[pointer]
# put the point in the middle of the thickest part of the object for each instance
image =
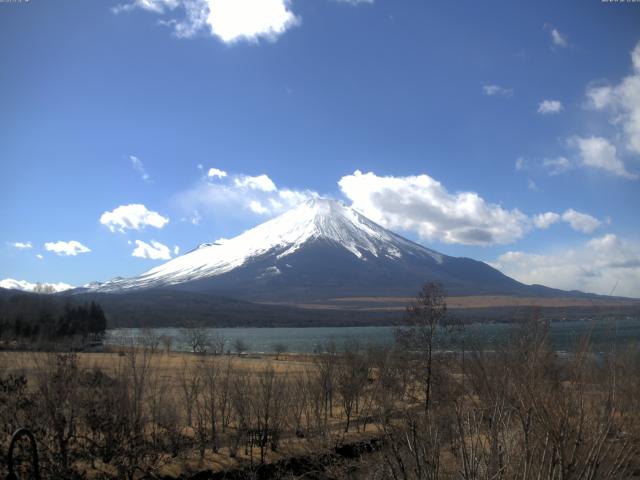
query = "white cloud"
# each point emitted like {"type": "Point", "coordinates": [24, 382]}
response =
{"type": "Point", "coordinates": [26, 286]}
{"type": "Point", "coordinates": [557, 38]}
{"type": "Point", "coordinates": [216, 173]}
{"type": "Point", "coordinates": [21, 245]}
{"type": "Point", "coordinates": [257, 207]}
{"type": "Point", "coordinates": [138, 166]}
{"type": "Point", "coordinates": [234, 20]}
{"type": "Point", "coordinates": [176, 250]}
{"type": "Point", "coordinates": [531, 185]}
{"type": "Point", "coordinates": [261, 182]}
{"type": "Point", "coordinates": [423, 205]}
{"type": "Point", "coordinates": [155, 6]}
{"type": "Point", "coordinates": [71, 248]}
{"type": "Point", "coordinates": [602, 265]}
{"type": "Point", "coordinates": [556, 166]}
{"type": "Point", "coordinates": [39, 257]}
{"type": "Point", "coordinates": [196, 218]}
{"type": "Point", "coordinates": [355, 2]}
{"type": "Point", "coordinates": [548, 107]}
{"type": "Point", "coordinates": [134, 216]}
{"type": "Point", "coordinates": [229, 20]}
{"type": "Point", "coordinates": [521, 164]}
{"type": "Point", "coordinates": [497, 90]}
{"type": "Point", "coordinates": [581, 222]}
{"type": "Point", "coordinates": [154, 251]}
{"type": "Point", "coordinates": [237, 194]}
{"type": "Point", "coordinates": [545, 220]}
{"type": "Point", "coordinates": [623, 103]}
{"type": "Point", "coordinates": [598, 152]}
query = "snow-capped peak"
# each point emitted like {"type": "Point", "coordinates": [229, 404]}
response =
{"type": "Point", "coordinates": [316, 219]}
{"type": "Point", "coordinates": [25, 286]}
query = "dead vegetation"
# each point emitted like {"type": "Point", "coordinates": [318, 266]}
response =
{"type": "Point", "coordinates": [521, 412]}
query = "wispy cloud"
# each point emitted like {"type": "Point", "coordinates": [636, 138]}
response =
{"type": "Point", "coordinates": [138, 166]}
{"type": "Point", "coordinates": [355, 2]}
{"type": "Point", "coordinates": [521, 164]}
{"type": "Point", "coordinates": [549, 107]}
{"type": "Point", "coordinates": [599, 153]}
{"type": "Point", "coordinates": [556, 166]}
{"type": "Point", "coordinates": [558, 39]}
{"type": "Point", "coordinates": [66, 249]}
{"type": "Point", "coordinates": [156, 6]}
{"type": "Point", "coordinates": [21, 245]}
{"type": "Point", "coordinates": [545, 220]}
{"type": "Point", "coordinates": [605, 265]}
{"type": "Point", "coordinates": [497, 90]}
{"type": "Point", "coordinates": [622, 101]}
{"type": "Point", "coordinates": [237, 194]}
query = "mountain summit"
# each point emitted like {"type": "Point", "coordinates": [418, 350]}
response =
{"type": "Point", "coordinates": [319, 249]}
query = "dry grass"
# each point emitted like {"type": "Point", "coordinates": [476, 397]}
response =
{"type": "Point", "coordinates": [477, 301]}
{"type": "Point", "coordinates": [168, 366]}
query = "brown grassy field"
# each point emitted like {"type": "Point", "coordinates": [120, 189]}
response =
{"type": "Point", "coordinates": [466, 302]}
{"type": "Point", "coordinates": [139, 413]}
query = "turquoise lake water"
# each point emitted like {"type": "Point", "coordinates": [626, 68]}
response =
{"type": "Point", "coordinates": [564, 336]}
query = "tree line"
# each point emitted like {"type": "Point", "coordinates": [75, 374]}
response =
{"type": "Point", "coordinates": [31, 318]}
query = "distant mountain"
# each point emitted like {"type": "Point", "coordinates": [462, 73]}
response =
{"type": "Point", "coordinates": [23, 285]}
{"type": "Point", "coordinates": [321, 249]}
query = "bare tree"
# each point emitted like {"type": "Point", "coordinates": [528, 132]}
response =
{"type": "Point", "coordinates": [210, 374]}
{"type": "Point", "coordinates": [167, 342]}
{"type": "Point", "coordinates": [59, 402]}
{"type": "Point", "coordinates": [217, 342]}
{"type": "Point", "coordinates": [268, 406]}
{"type": "Point", "coordinates": [190, 386]}
{"type": "Point", "coordinates": [326, 361]}
{"type": "Point", "coordinates": [197, 338]}
{"type": "Point", "coordinates": [351, 378]}
{"type": "Point", "coordinates": [425, 316]}
{"type": "Point", "coordinates": [223, 393]}
{"type": "Point", "coordinates": [240, 346]}
{"type": "Point", "coordinates": [240, 396]}
{"type": "Point", "coordinates": [279, 348]}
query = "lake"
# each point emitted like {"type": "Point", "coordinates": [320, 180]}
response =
{"type": "Point", "coordinates": [564, 336]}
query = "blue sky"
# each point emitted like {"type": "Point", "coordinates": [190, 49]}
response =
{"type": "Point", "coordinates": [504, 131]}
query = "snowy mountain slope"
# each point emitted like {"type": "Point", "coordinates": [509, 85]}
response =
{"type": "Point", "coordinates": [319, 249]}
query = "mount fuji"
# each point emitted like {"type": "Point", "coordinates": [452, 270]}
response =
{"type": "Point", "coordinates": [320, 249]}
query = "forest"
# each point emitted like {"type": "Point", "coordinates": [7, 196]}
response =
{"type": "Point", "coordinates": [46, 321]}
